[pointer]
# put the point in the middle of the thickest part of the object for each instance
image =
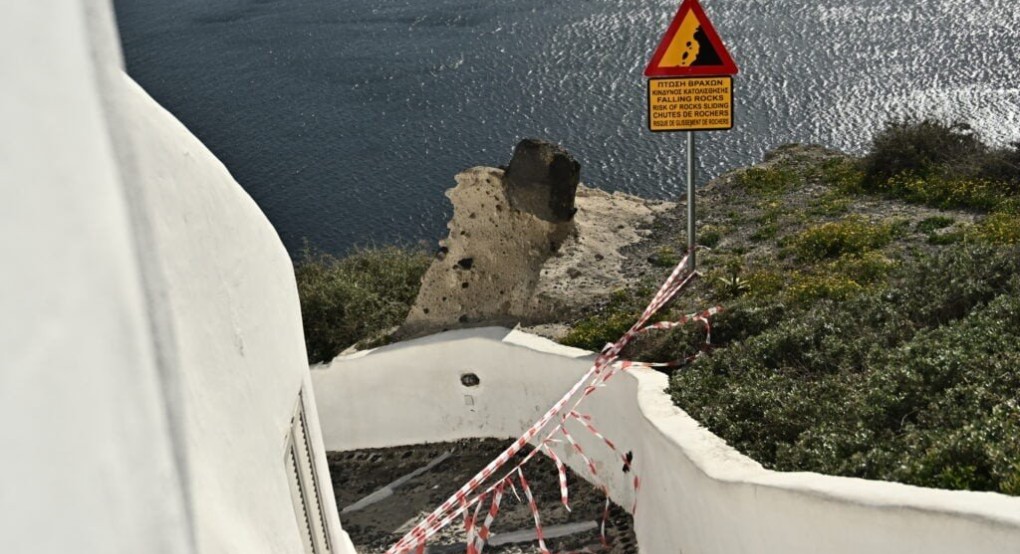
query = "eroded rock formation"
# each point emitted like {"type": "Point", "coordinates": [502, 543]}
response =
{"type": "Point", "coordinates": [527, 245]}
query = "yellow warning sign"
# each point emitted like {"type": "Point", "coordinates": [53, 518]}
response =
{"type": "Point", "coordinates": [690, 47]}
{"type": "Point", "coordinates": [690, 104]}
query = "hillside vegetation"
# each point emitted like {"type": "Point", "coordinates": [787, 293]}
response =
{"type": "Point", "coordinates": [355, 298]}
{"type": "Point", "coordinates": [873, 312]}
{"type": "Point", "coordinates": [872, 323]}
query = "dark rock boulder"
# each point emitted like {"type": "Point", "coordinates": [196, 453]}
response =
{"type": "Point", "coordinates": [542, 180]}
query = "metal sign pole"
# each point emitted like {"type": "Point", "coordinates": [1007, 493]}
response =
{"type": "Point", "coordinates": [690, 201]}
{"type": "Point", "coordinates": [687, 93]}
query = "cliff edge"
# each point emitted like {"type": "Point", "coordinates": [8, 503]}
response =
{"type": "Point", "coordinates": [530, 245]}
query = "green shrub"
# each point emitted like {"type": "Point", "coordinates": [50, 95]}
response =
{"type": "Point", "coordinates": [764, 283]}
{"type": "Point", "coordinates": [941, 165]}
{"type": "Point", "coordinates": [1009, 205]}
{"type": "Point", "coordinates": [850, 236]}
{"type": "Point", "coordinates": [943, 239]}
{"type": "Point", "coordinates": [1002, 165]}
{"type": "Point", "coordinates": [709, 236]}
{"type": "Point", "coordinates": [844, 174]}
{"type": "Point", "coordinates": [765, 232]}
{"type": "Point", "coordinates": [948, 192]}
{"type": "Point", "coordinates": [914, 382]}
{"type": "Point", "coordinates": [831, 204]}
{"type": "Point", "coordinates": [593, 333]}
{"type": "Point", "coordinates": [767, 181]}
{"type": "Point", "coordinates": [611, 322]}
{"type": "Point", "coordinates": [725, 280]}
{"type": "Point", "coordinates": [345, 300]}
{"type": "Point", "coordinates": [898, 226]}
{"type": "Point", "coordinates": [869, 267]}
{"type": "Point", "coordinates": [665, 256]}
{"type": "Point", "coordinates": [772, 211]}
{"type": "Point", "coordinates": [999, 228]}
{"type": "Point", "coordinates": [934, 223]}
{"type": "Point", "coordinates": [747, 318]}
{"type": "Point", "coordinates": [806, 288]}
{"type": "Point", "coordinates": [919, 148]}
{"type": "Point", "coordinates": [946, 286]}
{"type": "Point", "coordinates": [729, 286]}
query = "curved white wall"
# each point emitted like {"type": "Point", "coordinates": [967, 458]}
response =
{"type": "Point", "coordinates": [698, 495]}
{"type": "Point", "coordinates": [88, 460]}
{"type": "Point", "coordinates": [231, 300]}
{"type": "Point", "coordinates": [151, 348]}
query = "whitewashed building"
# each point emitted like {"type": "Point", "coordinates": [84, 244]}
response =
{"type": "Point", "coordinates": [154, 388]}
{"type": "Point", "coordinates": [153, 380]}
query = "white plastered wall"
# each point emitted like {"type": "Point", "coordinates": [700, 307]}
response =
{"type": "Point", "coordinates": [232, 303]}
{"type": "Point", "coordinates": [87, 460]}
{"type": "Point", "coordinates": [698, 495]}
{"type": "Point", "coordinates": [151, 351]}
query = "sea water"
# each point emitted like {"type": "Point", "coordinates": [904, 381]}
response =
{"type": "Point", "coordinates": [347, 119]}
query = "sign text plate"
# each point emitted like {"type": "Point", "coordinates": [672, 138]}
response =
{"type": "Point", "coordinates": [690, 104]}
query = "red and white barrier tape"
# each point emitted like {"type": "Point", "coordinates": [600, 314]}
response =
{"type": "Point", "coordinates": [698, 316]}
{"type": "Point", "coordinates": [605, 519]}
{"type": "Point", "coordinates": [483, 533]}
{"type": "Point", "coordinates": [586, 420]}
{"type": "Point", "coordinates": [469, 525]}
{"type": "Point", "coordinates": [580, 451]}
{"type": "Point", "coordinates": [561, 470]}
{"type": "Point", "coordinates": [605, 366]}
{"type": "Point", "coordinates": [534, 512]}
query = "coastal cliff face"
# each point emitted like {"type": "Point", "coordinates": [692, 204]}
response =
{"type": "Point", "coordinates": [849, 290]}
{"type": "Point", "coordinates": [529, 245]}
{"type": "Point", "coordinates": [511, 259]}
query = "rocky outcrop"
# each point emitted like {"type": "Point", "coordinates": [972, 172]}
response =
{"type": "Point", "coordinates": [527, 245]}
{"type": "Point", "coordinates": [542, 180]}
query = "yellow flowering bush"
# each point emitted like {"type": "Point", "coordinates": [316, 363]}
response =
{"type": "Point", "coordinates": [850, 236]}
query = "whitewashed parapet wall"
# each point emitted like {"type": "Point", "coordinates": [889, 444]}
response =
{"type": "Point", "coordinates": [698, 495]}
{"type": "Point", "coordinates": [151, 351]}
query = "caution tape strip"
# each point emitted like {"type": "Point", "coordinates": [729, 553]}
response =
{"type": "Point", "coordinates": [534, 512]}
{"type": "Point", "coordinates": [605, 367]}
{"type": "Point", "coordinates": [483, 533]}
{"type": "Point", "coordinates": [605, 519]}
{"type": "Point", "coordinates": [561, 469]}
{"type": "Point", "coordinates": [469, 526]}
{"type": "Point", "coordinates": [697, 316]}
{"type": "Point", "coordinates": [580, 451]}
{"type": "Point", "coordinates": [586, 420]}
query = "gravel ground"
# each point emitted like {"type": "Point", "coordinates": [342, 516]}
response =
{"type": "Point", "coordinates": [356, 474]}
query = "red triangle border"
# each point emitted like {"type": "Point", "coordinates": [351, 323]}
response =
{"type": "Point", "coordinates": [727, 67]}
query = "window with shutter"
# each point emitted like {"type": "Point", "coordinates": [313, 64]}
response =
{"type": "Point", "coordinates": [304, 485]}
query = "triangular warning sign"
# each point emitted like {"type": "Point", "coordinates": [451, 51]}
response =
{"type": "Point", "coordinates": [690, 47]}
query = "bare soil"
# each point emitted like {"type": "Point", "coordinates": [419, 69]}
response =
{"type": "Point", "coordinates": [356, 474]}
